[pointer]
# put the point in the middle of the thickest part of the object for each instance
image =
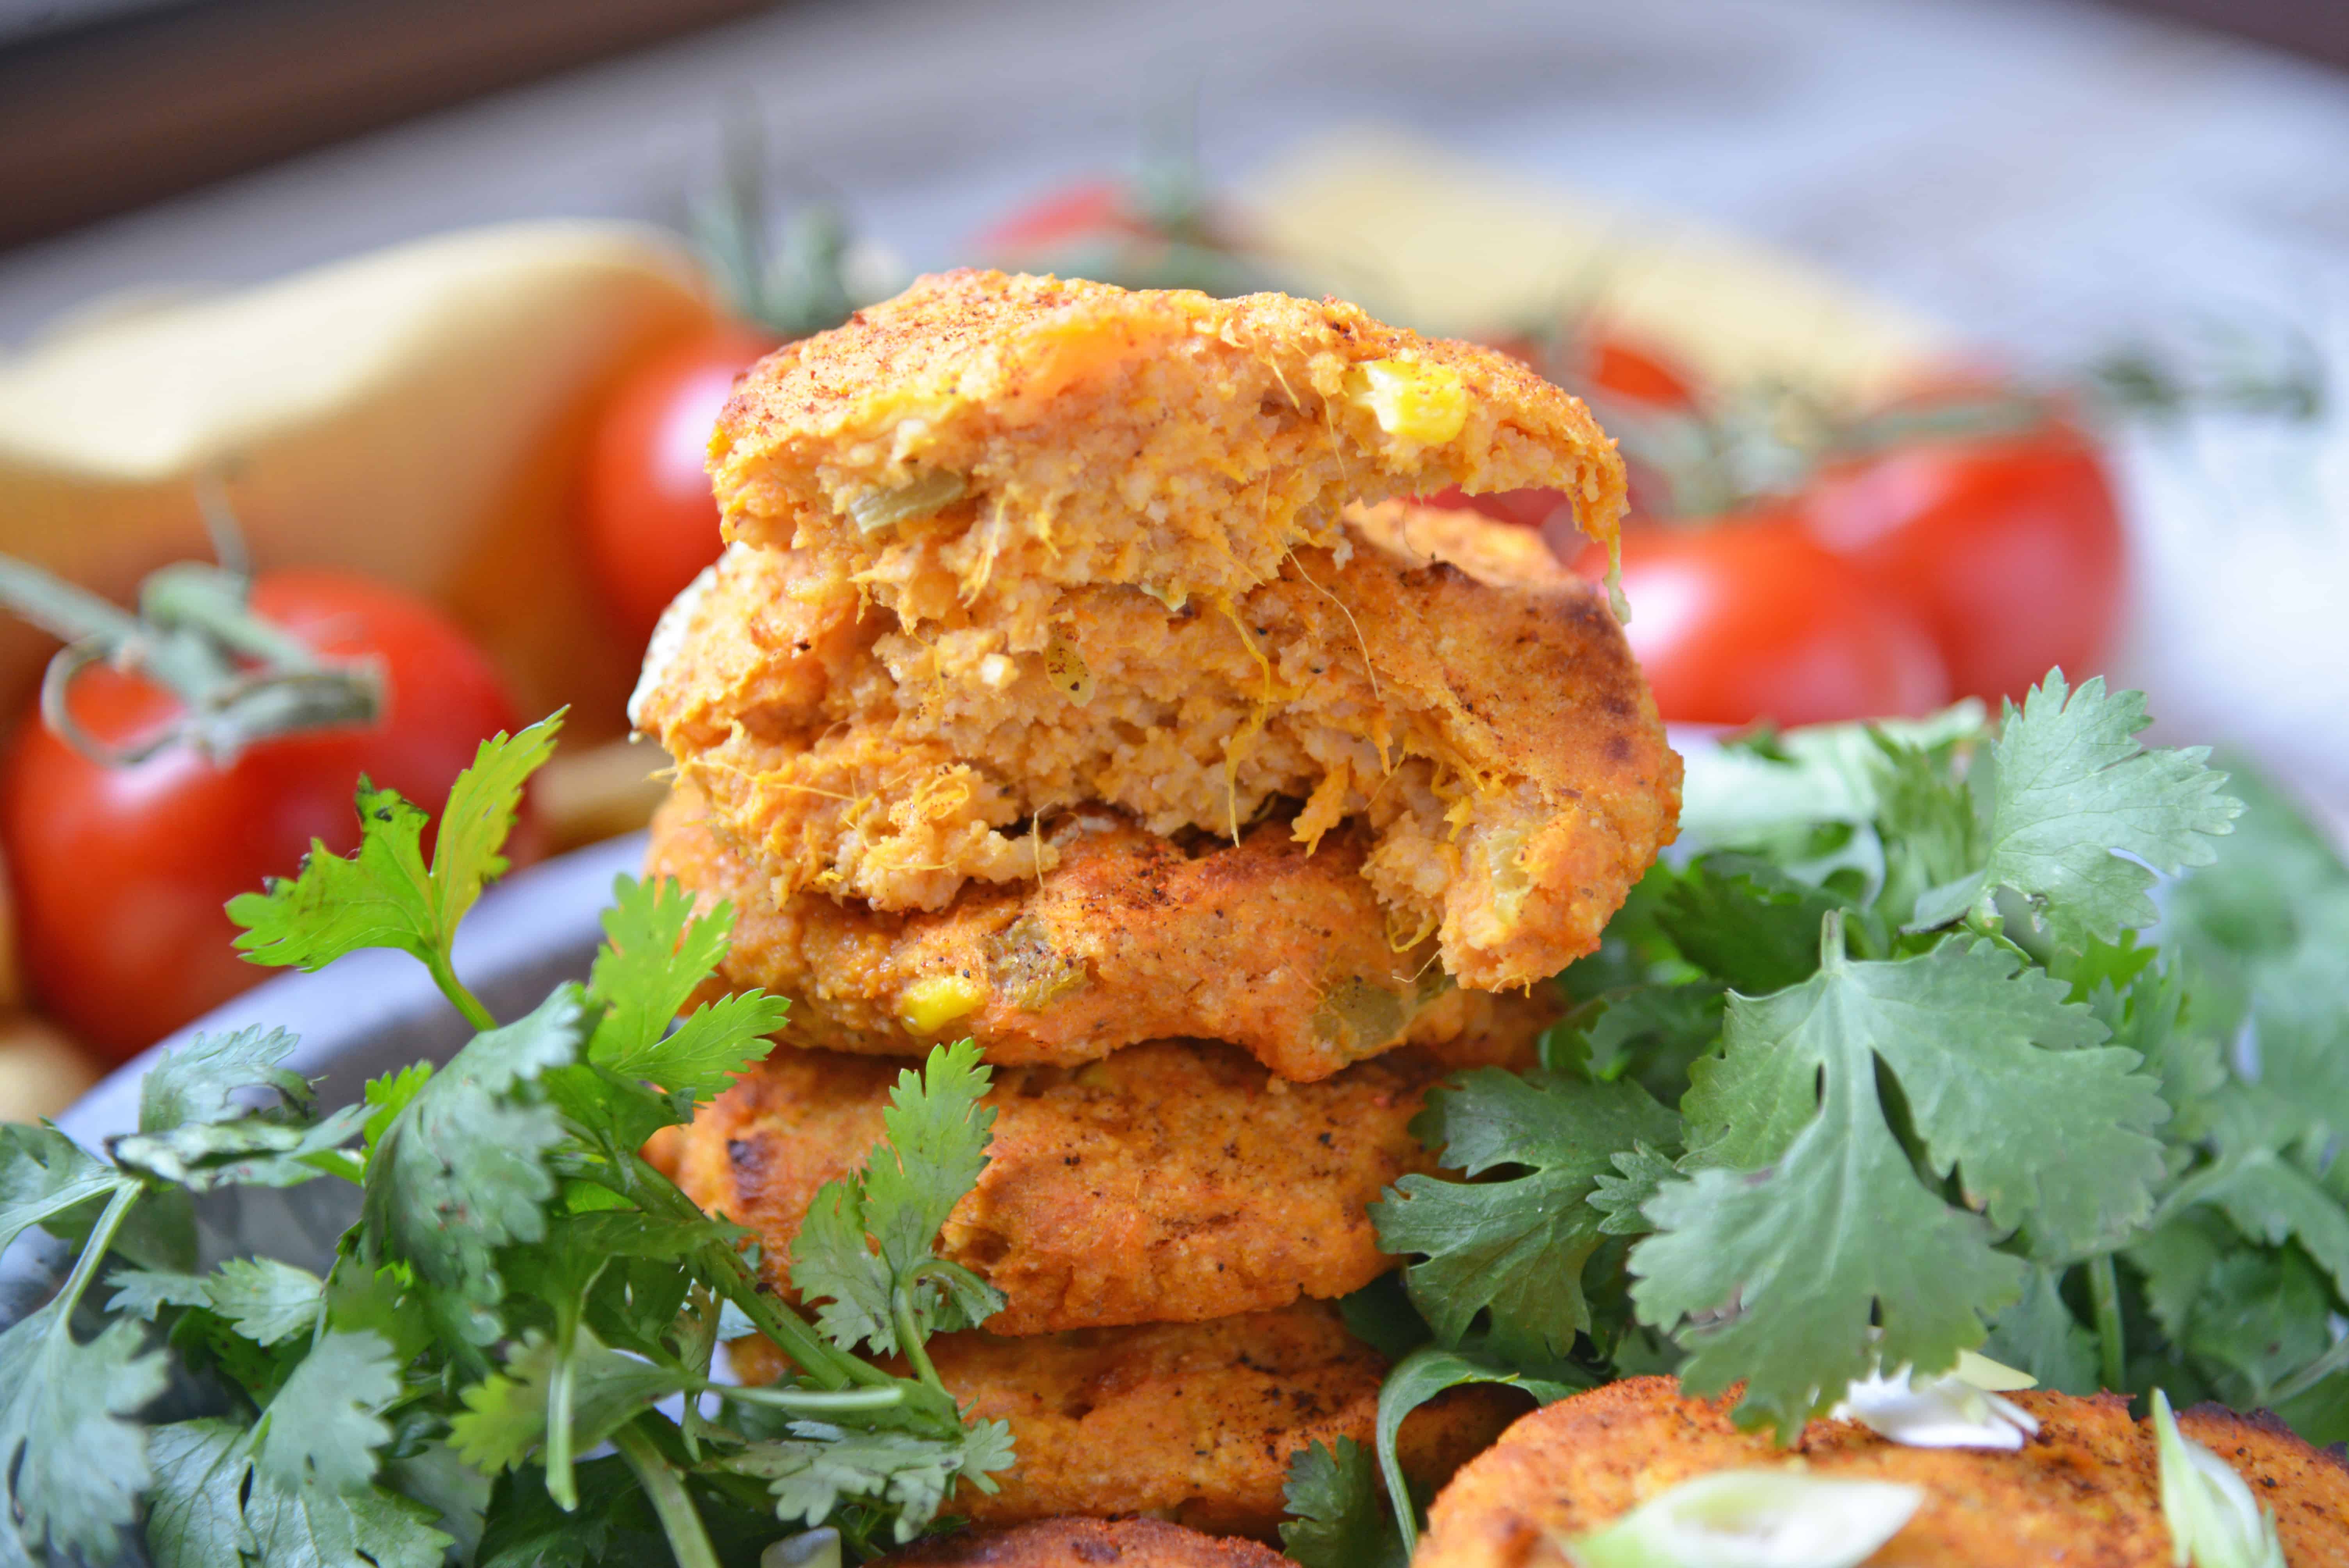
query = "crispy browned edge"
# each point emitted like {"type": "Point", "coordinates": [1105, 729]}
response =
{"type": "Point", "coordinates": [2085, 1488]}
{"type": "Point", "coordinates": [1077, 1543]}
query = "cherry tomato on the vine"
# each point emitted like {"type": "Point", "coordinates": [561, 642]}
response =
{"type": "Point", "coordinates": [2009, 548]}
{"type": "Point", "coordinates": [651, 523]}
{"type": "Point", "coordinates": [1748, 618]}
{"type": "Point", "coordinates": [120, 873]}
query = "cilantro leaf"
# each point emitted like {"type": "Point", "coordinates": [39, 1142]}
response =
{"type": "Point", "coordinates": [2263, 897]}
{"type": "Point", "coordinates": [482, 804]}
{"type": "Point", "coordinates": [316, 1527]}
{"type": "Point", "coordinates": [937, 1135]}
{"type": "Point", "coordinates": [388, 1096]}
{"type": "Point", "coordinates": [257, 1151]}
{"type": "Point", "coordinates": [2078, 812]}
{"type": "Point", "coordinates": [1645, 1033]}
{"type": "Point", "coordinates": [210, 1509]}
{"type": "Point", "coordinates": [505, 1416]}
{"type": "Point", "coordinates": [195, 1516]}
{"type": "Point", "coordinates": [383, 895]}
{"type": "Point", "coordinates": [1826, 773]}
{"type": "Point", "coordinates": [2038, 1334]}
{"type": "Point", "coordinates": [1746, 922]}
{"type": "Point", "coordinates": [819, 1467]}
{"type": "Point", "coordinates": [44, 1175]}
{"type": "Point", "coordinates": [1806, 1220]}
{"type": "Point", "coordinates": [378, 897]}
{"type": "Point", "coordinates": [266, 1301]}
{"type": "Point", "coordinates": [832, 1265]}
{"type": "Point", "coordinates": [460, 1170]}
{"type": "Point", "coordinates": [527, 1529]}
{"type": "Point", "coordinates": [2260, 1317]}
{"type": "Point", "coordinates": [200, 1080]}
{"type": "Point", "coordinates": [655, 953]}
{"type": "Point", "coordinates": [1432, 1370]}
{"type": "Point", "coordinates": [323, 1429]}
{"type": "Point", "coordinates": [1779, 1274]}
{"type": "Point", "coordinates": [72, 1462]}
{"type": "Point", "coordinates": [458, 1495]}
{"type": "Point", "coordinates": [143, 1293]}
{"type": "Point", "coordinates": [1381, 1316]}
{"type": "Point", "coordinates": [1340, 1520]}
{"type": "Point", "coordinates": [2272, 1202]}
{"type": "Point", "coordinates": [1515, 1248]}
{"type": "Point", "coordinates": [1642, 1169]}
{"type": "Point", "coordinates": [934, 1151]}
{"type": "Point", "coordinates": [713, 1042]}
{"type": "Point", "coordinates": [2007, 1083]}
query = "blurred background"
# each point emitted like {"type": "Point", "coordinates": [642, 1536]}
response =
{"type": "Point", "coordinates": [1948, 340]}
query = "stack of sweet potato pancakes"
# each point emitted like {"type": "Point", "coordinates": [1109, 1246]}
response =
{"type": "Point", "coordinates": [1068, 686]}
{"type": "Point", "coordinates": [1080, 680]}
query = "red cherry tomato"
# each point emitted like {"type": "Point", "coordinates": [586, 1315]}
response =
{"type": "Point", "coordinates": [1084, 210]}
{"type": "Point", "coordinates": [651, 523]}
{"type": "Point", "coordinates": [1628, 371]}
{"type": "Point", "coordinates": [2010, 548]}
{"type": "Point", "coordinates": [120, 873]}
{"type": "Point", "coordinates": [1749, 618]}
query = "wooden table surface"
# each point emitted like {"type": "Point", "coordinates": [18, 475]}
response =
{"type": "Point", "coordinates": [2046, 177]}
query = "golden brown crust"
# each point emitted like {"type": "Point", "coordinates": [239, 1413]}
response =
{"type": "Point", "coordinates": [1173, 1182]}
{"type": "Point", "coordinates": [1085, 1543]}
{"type": "Point", "coordinates": [1486, 722]}
{"type": "Point", "coordinates": [1128, 938]}
{"type": "Point", "coordinates": [1157, 438]}
{"type": "Point", "coordinates": [1194, 1422]}
{"type": "Point", "coordinates": [2085, 1492]}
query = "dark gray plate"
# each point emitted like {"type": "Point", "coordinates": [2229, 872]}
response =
{"type": "Point", "coordinates": [358, 1018]}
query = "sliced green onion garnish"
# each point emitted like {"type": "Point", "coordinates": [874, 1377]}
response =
{"type": "Point", "coordinates": [2214, 1519]}
{"type": "Point", "coordinates": [1752, 1519]}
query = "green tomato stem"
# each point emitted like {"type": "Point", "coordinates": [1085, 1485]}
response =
{"type": "Point", "coordinates": [688, 1539]}
{"type": "Point", "coordinates": [2104, 1293]}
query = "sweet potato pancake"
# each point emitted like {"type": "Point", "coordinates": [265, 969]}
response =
{"type": "Point", "coordinates": [1492, 732]}
{"type": "Point", "coordinates": [1085, 1543]}
{"type": "Point", "coordinates": [969, 448]}
{"type": "Point", "coordinates": [1174, 1181]}
{"type": "Point", "coordinates": [2086, 1492]}
{"type": "Point", "coordinates": [1128, 938]}
{"type": "Point", "coordinates": [1190, 1421]}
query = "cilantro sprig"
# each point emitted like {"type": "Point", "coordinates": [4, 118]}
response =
{"type": "Point", "coordinates": [1937, 1034]}
{"type": "Point", "coordinates": [522, 1285]}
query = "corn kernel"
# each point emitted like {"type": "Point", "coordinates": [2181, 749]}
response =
{"type": "Point", "coordinates": [930, 1006]}
{"type": "Point", "coordinates": [1423, 403]}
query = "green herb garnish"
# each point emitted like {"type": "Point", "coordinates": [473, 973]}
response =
{"type": "Point", "coordinates": [522, 1287]}
{"type": "Point", "coordinates": [1913, 1051]}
